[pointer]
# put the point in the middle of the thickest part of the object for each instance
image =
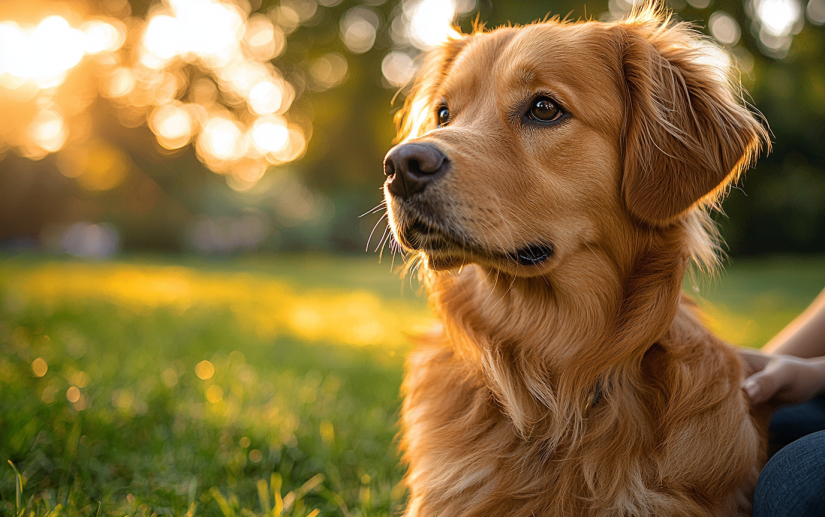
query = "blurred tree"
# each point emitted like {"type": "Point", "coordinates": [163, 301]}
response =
{"type": "Point", "coordinates": [167, 198]}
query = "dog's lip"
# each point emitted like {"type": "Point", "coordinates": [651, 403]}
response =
{"type": "Point", "coordinates": [428, 237]}
{"type": "Point", "coordinates": [443, 244]}
{"type": "Point", "coordinates": [533, 255]}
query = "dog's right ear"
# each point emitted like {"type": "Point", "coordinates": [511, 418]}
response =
{"type": "Point", "coordinates": [418, 114]}
{"type": "Point", "coordinates": [687, 135]}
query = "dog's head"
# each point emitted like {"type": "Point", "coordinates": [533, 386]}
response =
{"type": "Point", "coordinates": [521, 146]}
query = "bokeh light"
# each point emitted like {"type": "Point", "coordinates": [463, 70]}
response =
{"type": "Point", "coordinates": [398, 68]}
{"type": "Point", "coordinates": [419, 26]}
{"type": "Point", "coordinates": [40, 367]}
{"type": "Point", "coordinates": [724, 28]}
{"type": "Point", "coordinates": [172, 124]}
{"type": "Point", "coordinates": [48, 131]}
{"type": "Point", "coordinates": [358, 29]}
{"type": "Point", "coordinates": [328, 71]}
{"type": "Point", "coordinates": [777, 21]}
{"type": "Point", "coordinates": [99, 36]}
{"type": "Point", "coordinates": [816, 12]}
{"type": "Point", "coordinates": [430, 22]}
{"type": "Point", "coordinates": [270, 135]}
{"type": "Point", "coordinates": [204, 370]}
{"type": "Point", "coordinates": [73, 394]}
{"type": "Point", "coordinates": [265, 98]}
{"type": "Point", "coordinates": [778, 17]}
{"type": "Point", "coordinates": [220, 141]}
{"type": "Point", "coordinates": [194, 71]}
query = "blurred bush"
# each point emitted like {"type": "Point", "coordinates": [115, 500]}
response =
{"type": "Point", "coordinates": [263, 124]}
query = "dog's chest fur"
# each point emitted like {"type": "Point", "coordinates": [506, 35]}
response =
{"type": "Point", "coordinates": [644, 450]}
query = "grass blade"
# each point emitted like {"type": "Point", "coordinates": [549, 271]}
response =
{"type": "Point", "coordinates": [275, 483]}
{"type": "Point", "coordinates": [221, 500]}
{"type": "Point", "coordinates": [263, 496]}
{"type": "Point", "coordinates": [313, 482]}
{"type": "Point", "coordinates": [18, 490]}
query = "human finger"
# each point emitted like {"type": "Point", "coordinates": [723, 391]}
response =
{"type": "Point", "coordinates": [763, 385]}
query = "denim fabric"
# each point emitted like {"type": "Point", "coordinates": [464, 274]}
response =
{"type": "Point", "coordinates": [792, 484]}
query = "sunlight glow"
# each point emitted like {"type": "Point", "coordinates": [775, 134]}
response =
{"type": "Point", "coordinates": [221, 140]}
{"type": "Point", "coordinates": [195, 28]}
{"type": "Point", "coordinates": [778, 17]}
{"type": "Point", "coordinates": [100, 37]}
{"type": "Point", "coordinates": [45, 53]}
{"type": "Point", "coordinates": [777, 22]}
{"type": "Point", "coordinates": [48, 131]}
{"type": "Point", "coordinates": [270, 135]}
{"type": "Point", "coordinates": [419, 26]}
{"type": "Point", "coordinates": [430, 22]}
{"type": "Point", "coordinates": [172, 124]}
{"type": "Point", "coordinates": [265, 98]}
{"type": "Point", "coordinates": [193, 71]}
{"type": "Point", "coordinates": [264, 306]}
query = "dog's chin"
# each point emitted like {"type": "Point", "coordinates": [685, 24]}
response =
{"type": "Point", "coordinates": [445, 251]}
{"type": "Point", "coordinates": [441, 251]}
{"type": "Point", "coordinates": [444, 262]}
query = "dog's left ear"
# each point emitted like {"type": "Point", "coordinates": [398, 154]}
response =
{"type": "Point", "coordinates": [686, 134]}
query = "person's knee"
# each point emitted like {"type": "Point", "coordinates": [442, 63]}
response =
{"type": "Point", "coordinates": [792, 484]}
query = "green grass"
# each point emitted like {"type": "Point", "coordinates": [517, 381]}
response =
{"type": "Point", "coordinates": [300, 410]}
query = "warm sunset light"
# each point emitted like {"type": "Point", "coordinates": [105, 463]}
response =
{"type": "Point", "coordinates": [48, 131]}
{"type": "Point", "coordinates": [195, 71]}
{"type": "Point", "coordinates": [270, 135]}
{"type": "Point", "coordinates": [430, 22]}
{"type": "Point", "coordinates": [172, 124]}
{"type": "Point", "coordinates": [45, 53]}
{"type": "Point", "coordinates": [231, 285]}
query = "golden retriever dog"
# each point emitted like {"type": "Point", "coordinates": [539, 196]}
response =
{"type": "Point", "coordinates": [555, 180]}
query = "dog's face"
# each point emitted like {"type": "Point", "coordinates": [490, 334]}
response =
{"type": "Point", "coordinates": [527, 123]}
{"type": "Point", "coordinates": [527, 145]}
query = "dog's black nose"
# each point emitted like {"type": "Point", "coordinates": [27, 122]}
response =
{"type": "Point", "coordinates": [411, 167]}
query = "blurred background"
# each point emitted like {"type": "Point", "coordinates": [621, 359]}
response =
{"type": "Point", "coordinates": [227, 127]}
{"type": "Point", "coordinates": [188, 321]}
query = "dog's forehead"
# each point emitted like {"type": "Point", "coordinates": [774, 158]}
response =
{"type": "Point", "coordinates": [578, 63]}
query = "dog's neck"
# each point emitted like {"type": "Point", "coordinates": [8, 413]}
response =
{"type": "Point", "coordinates": [545, 344]}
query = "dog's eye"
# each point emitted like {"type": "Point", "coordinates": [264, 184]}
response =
{"type": "Point", "coordinates": [443, 115]}
{"type": "Point", "coordinates": [544, 109]}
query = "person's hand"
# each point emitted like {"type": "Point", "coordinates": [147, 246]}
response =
{"type": "Point", "coordinates": [782, 378]}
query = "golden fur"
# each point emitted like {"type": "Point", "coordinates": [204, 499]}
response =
{"type": "Point", "coordinates": [584, 385]}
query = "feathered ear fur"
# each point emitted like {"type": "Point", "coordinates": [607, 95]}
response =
{"type": "Point", "coordinates": [418, 114]}
{"type": "Point", "coordinates": [687, 135]}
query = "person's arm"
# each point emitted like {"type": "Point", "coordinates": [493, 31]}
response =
{"type": "Point", "coordinates": [804, 336]}
{"type": "Point", "coordinates": [793, 369]}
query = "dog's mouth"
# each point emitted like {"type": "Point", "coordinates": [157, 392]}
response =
{"type": "Point", "coordinates": [533, 255]}
{"type": "Point", "coordinates": [446, 249]}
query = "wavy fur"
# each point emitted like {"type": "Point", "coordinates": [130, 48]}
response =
{"type": "Point", "coordinates": [586, 386]}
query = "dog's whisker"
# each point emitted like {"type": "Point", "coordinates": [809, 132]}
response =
{"type": "Point", "coordinates": [383, 247]}
{"type": "Point", "coordinates": [373, 231]}
{"type": "Point", "coordinates": [382, 205]}
{"type": "Point", "coordinates": [383, 238]}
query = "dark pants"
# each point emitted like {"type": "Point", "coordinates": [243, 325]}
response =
{"type": "Point", "coordinates": [792, 484]}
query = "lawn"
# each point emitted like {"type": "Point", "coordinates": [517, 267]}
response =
{"type": "Point", "coordinates": [260, 386]}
